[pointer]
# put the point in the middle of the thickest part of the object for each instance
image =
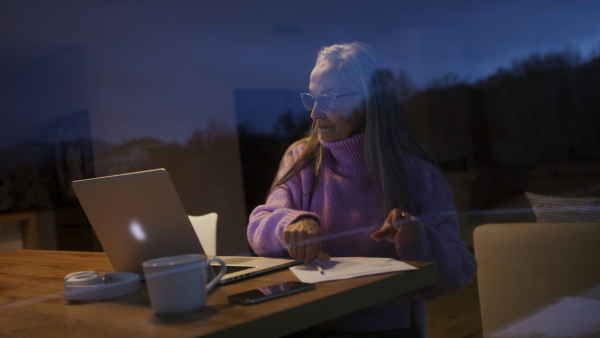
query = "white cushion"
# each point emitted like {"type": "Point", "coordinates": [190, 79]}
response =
{"type": "Point", "coordinates": [553, 209]}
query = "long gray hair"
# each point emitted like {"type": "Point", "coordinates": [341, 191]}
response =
{"type": "Point", "coordinates": [387, 134]}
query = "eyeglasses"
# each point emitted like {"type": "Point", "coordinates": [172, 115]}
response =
{"type": "Point", "coordinates": [326, 102]}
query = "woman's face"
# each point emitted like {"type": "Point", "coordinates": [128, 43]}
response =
{"type": "Point", "coordinates": [347, 118]}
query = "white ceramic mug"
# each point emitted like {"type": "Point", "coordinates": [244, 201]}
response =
{"type": "Point", "coordinates": [177, 284]}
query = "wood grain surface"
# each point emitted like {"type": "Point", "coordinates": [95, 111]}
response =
{"type": "Point", "coordinates": [32, 302]}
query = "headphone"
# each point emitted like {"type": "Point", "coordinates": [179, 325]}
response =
{"type": "Point", "coordinates": [89, 285]}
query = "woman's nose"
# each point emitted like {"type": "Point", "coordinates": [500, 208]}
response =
{"type": "Point", "coordinates": [316, 112]}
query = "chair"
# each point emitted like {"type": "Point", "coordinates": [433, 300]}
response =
{"type": "Point", "coordinates": [525, 267]}
{"type": "Point", "coordinates": [419, 318]}
{"type": "Point", "coordinates": [206, 230]}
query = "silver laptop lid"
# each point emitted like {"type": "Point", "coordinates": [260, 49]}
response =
{"type": "Point", "coordinates": [137, 216]}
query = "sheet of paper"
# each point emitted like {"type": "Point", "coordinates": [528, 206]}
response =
{"type": "Point", "coordinates": [347, 267]}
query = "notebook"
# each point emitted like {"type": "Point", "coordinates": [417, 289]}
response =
{"type": "Point", "coordinates": [139, 216]}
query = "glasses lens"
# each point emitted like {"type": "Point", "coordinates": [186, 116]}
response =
{"type": "Point", "coordinates": [308, 101]}
{"type": "Point", "coordinates": [326, 103]}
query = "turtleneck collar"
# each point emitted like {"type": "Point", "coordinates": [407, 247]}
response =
{"type": "Point", "coordinates": [348, 154]}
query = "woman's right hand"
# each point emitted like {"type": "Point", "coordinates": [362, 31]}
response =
{"type": "Point", "coordinates": [303, 240]}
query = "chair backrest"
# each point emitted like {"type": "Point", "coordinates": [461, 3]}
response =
{"type": "Point", "coordinates": [206, 230]}
{"type": "Point", "coordinates": [524, 267]}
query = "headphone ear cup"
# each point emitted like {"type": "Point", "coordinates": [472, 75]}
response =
{"type": "Point", "coordinates": [89, 285]}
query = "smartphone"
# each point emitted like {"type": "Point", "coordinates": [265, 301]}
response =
{"type": "Point", "coordinates": [270, 292]}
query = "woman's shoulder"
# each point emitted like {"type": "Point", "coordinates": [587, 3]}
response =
{"type": "Point", "coordinates": [417, 162]}
{"type": "Point", "coordinates": [421, 169]}
{"type": "Point", "coordinates": [427, 182]}
{"type": "Point", "coordinates": [429, 186]}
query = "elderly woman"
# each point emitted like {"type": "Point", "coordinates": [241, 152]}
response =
{"type": "Point", "coordinates": [359, 185]}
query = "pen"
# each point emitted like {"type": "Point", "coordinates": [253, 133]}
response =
{"type": "Point", "coordinates": [320, 269]}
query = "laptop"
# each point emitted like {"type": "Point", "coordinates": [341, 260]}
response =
{"type": "Point", "coordinates": [139, 216]}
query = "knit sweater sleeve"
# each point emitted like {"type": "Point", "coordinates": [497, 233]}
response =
{"type": "Point", "coordinates": [439, 241]}
{"type": "Point", "coordinates": [285, 204]}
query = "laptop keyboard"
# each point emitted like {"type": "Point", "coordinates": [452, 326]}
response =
{"type": "Point", "coordinates": [230, 268]}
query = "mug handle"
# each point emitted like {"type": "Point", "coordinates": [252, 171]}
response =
{"type": "Point", "coordinates": [215, 280]}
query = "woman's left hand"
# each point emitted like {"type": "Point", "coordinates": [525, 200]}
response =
{"type": "Point", "coordinates": [399, 226]}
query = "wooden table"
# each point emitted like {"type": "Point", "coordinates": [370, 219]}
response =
{"type": "Point", "coordinates": [32, 302]}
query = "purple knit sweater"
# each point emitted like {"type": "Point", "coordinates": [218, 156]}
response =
{"type": "Point", "coordinates": [348, 207]}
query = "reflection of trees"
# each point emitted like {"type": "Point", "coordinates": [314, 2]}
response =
{"type": "Point", "coordinates": [261, 153]}
{"type": "Point", "coordinates": [543, 110]}
{"type": "Point", "coordinates": [447, 80]}
{"type": "Point", "coordinates": [207, 159]}
{"type": "Point", "coordinates": [290, 126]}
{"type": "Point", "coordinates": [203, 169]}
